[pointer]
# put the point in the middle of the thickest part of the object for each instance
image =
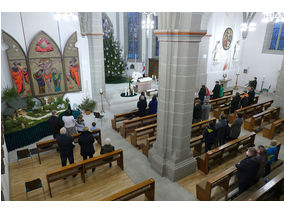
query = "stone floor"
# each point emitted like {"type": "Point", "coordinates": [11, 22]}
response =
{"type": "Point", "coordinates": [136, 164]}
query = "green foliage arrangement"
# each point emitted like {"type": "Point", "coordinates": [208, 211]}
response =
{"type": "Point", "coordinates": [9, 93]}
{"type": "Point", "coordinates": [87, 105]}
{"type": "Point", "coordinates": [30, 102]}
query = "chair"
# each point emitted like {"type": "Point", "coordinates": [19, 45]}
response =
{"type": "Point", "coordinates": [32, 185]}
{"type": "Point", "coordinates": [24, 153]}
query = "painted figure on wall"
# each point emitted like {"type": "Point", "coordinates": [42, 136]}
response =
{"type": "Point", "coordinates": [19, 75]}
{"type": "Point", "coordinates": [38, 76]}
{"type": "Point", "coordinates": [56, 76]}
{"type": "Point", "coordinates": [74, 71]}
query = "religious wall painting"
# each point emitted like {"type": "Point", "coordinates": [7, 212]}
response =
{"type": "Point", "coordinates": [17, 66]}
{"type": "Point", "coordinates": [227, 38]}
{"type": "Point", "coordinates": [46, 66]}
{"type": "Point", "coordinates": [72, 65]}
{"type": "Point", "coordinates": [236, 55]}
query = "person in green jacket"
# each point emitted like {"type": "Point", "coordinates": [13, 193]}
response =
{"type": "Point", "coordinates": [222, 91]}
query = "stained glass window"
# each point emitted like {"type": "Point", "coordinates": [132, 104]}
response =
{"type": "Point", "coordinates": [281, 39]}
{"type": "Point", "coordinates": [157, 41]}
{"type": "Point", "coordinates": [274, 36]}
{"type": "Point", "coordinates": [133, 38]}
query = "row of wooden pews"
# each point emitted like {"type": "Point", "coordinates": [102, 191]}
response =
{"type": "Point", "coordinates": [251, 110]}
{"type": "Point", "coordinates": [48, 145]}
{"type": "Point", "coordinates": [258, 121]}
{"type": "Point", "coordinates": [271, 130]}
{"type": "Point", "coordinates": [224, 185]}
{"type": "Point", "coordinates": [226, 93]}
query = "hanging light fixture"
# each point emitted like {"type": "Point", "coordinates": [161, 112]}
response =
{"type": "Point", "coordinates": [65, 16]}
{"type": "Point", "coordinates": [273, 17]}
{"type": "Point", "coordinates": [248, 27]}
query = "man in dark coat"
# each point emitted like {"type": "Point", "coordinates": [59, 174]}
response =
{"type": "Point", "coordinates": [236, 102]}
{"type": "Point", "coordinates": [251, 95]}
{"type": "Point", "coordinates": [254, 83]}
{"type": "Point", "coordinates": [202, 94]}
{"type": "Point", "coordinates": [236, 127]}
{"type": "Point", "coordinates": [65, 145]}
{"type": "Point", "coordinates": [55, 124]}
{"type": "Point", "coordinates": [222, 130]}
{"type": "Point", "coordinates": [247, 170]}
{"type": "Point", "coordinates": [209, 136]}
{"type": "Point", "coordinates": [197, 112]}
{"type": "Point", "coordinates": [142, 105]}
{"type": "Point", "coordinates": [216, 90]}
{"type": "Point", "coordinates": [86, 142]}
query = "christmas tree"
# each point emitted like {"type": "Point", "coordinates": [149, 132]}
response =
{"type": "Point", "coordinates": [114, 63]}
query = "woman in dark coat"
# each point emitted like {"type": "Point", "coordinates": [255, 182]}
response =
{"type": "Point", "coordinates": [141, 105]}
{"type": "Point", "coordinates": [235, 103]}
{"type": "Point", "coordinates": [153, 104]}
{"type": "Point", "coordinates": [86, 142]}
{"type": "Point", "coordinates": [202, 93]}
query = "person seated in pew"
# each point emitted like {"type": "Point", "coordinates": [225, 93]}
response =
{"type": "Point", "coordinates": [209, 136]}
{"type": "Point", "coordinates": [142, 105]}
{"type": "Point", "coordinates": [66, 146]}
{"type": "Point", "coordinates": [143, 94]}
{"type": "Point", "coordinates": [94, 126]}
{"type": "Point", "coordinates": [153, 104]}
{"type": "Point", "coordinates": [251, 95]}
{"type": "Point", "coordinates": [216, 90]}
{"type": "Point", "coordinates": [202, 94]}
{"type": "Point", "coordinates": [221, 91]}
{"type": "Point", "coordinates": [235, 103]}
{"type": "Point", "coordinates": [80, 123]}
{"type": "Point", "coordinates": [205, 108]}
{"type": "Point", "coordinates": [271, 152]}
{"type": "Point", "coordinates": [247, 170]}
{"type": "Point", "coordinates": [197, 112]}
{"type": "Point", "coordinates": [244, 99]}
{"type": "Point", "coordinates": [262, 161]}
{"type": "Point", "coordinates": [236, 127]}
{"type": "Point", "coordinates": [222, 130]}
{"type": "Point", "coordinates": [86, 142]}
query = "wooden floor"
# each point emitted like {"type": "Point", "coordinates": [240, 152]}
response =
{"type": "Point", "coordinates": [102, 183]}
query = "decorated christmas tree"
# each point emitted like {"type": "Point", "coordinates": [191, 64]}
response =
{"type": "Point", "coordinates": [114, 63]}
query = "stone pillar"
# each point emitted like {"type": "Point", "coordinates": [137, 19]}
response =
{"type": "Point", "coordinates": [91, 26]}
{"type": "Point", "coordinates": [279, 95]}
{"type": "Point", "coordinates": [179, 36]}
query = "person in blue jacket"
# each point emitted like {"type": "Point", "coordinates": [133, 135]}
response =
{"type": "Point", "coordinates": [209, 136]}
{"type": "Point", "coordinates": [271, 154]}
{"type": "Point", "coordinates": [153, 104]}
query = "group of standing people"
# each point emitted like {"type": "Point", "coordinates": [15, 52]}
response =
{"type": "Point", "coordinates": [257, 164]}
{"type": "Point", "coordinates": [245, 100]}
{"type": "Point", "coordinates": [142, 105]}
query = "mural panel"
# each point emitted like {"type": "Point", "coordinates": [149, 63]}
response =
{"type": "Point", "coordinates": [17, 65]}
{"type": "Point", "coordinates": [72, 65]}
{"type": "Point", "coordinates": [47, 74]}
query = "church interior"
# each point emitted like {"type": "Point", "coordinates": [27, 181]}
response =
{"type": "Point", "coordinates": [103, 66]}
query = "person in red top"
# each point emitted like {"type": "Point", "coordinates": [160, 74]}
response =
{"type": "Point", "coordinates": [74, 71]}
{"type": "Point", "coordinates": [19, 76]}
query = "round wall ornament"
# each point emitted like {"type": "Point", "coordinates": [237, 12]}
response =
{"type": "Point", "coordinates": [227, 38]}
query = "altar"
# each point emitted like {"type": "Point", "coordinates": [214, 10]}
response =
{"type": "Point", "coordinates": [143, 84]}
{"type": "Point", "coordinates": [225, 82]}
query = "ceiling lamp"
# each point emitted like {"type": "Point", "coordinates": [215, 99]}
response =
{"type": "Point", "coordinates": [65, 16]}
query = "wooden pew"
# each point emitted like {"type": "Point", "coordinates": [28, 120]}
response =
{"type": "Point", "coordinates": [84, 165]}
{"type": "Point", "coordinates": [198, 128]}
{"type": "Point", "coordinates": [219, 154]}
{"type": "Point", "coordinates": [195, 143]}
{"type": "Point", "coordinates": [227, 181]}
{"type": "Point", "coordinates": [265, 191]}
{"type": "Point", "coordinates": [146, 187]}
{"type": "Point", "coordinates": [45, 146]}
{"type": "Point", "coordinates": [257, 121]}
{"type": "Point", "coordinates": [130, 125]}
{"type": "Point", "coordinates": [226, 93]}
{"type": "Point", "coordinates": [219, 101]}
{"type": "Point", "coordinates": [250, 110]}
{"type": "Point", "coordinates": [143, 131]}
{"type": "Point", "coordinates": [270, 130]}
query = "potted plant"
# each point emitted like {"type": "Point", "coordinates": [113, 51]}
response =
{"type": "Point", "coordinates": [87, 105]}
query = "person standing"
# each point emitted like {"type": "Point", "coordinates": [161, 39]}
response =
{"type": "Point", "coordinates": [202, 94]}
{"type": "Point", "coordinates": [86, 141]}
{"type": "Point", "coordinates": [69, 123]}
{"type": "Point", "coordinates": [153, 104]}
{"type": "Point", "coordinates": [55, 124]}
{"type": "Point", "coordinates": [209, 136]}
{"type": "Point", "coordinates": [244, 99]}
{"type": "Point", "coordinates": [236, 102]}
{"type": "Point", "coordinates": [253, 83]}
{"type": "Point", "coordinates": [207, 94]}
{"type": "Point", "coordinates": [216, 90]}
{"type": "Point", "coordinates": [205, 108]}
{"type": "Point", "coordinates": [197, 111]}
{"type": "Point", "coordinates": [271, 152]}
{"type": "Point", "coordinates": [142, 105]}
{"type": "Point", "coordinates": [221, 91]}
{"type": "Point", "coordinates": [222, 130]}
{"type": "Point", "coordinates": [65, 145]}
{"type": "Point", "coordinates": [251, 95]}
{"type": "Point", "coordinates": [247, 170]}
{"type": "Point", "coordinates": [236, 127]}
{"type": "Point", "coordinates": [262, 160]}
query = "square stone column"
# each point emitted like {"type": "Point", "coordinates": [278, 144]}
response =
{"type": "Point", "coordinates": [178, 61]}
{"type": "Point", "coordinates": [279, 95]}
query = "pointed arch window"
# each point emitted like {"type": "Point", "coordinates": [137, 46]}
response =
{"type": "Point", "coordinates": [133, 35]}
{"type": "Point", "coordinates": [277, 39]}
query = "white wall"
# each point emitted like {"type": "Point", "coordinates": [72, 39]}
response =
{"type": "Point", "coordinates": [259, 64]}
{"type": "Point", "coordinates": [217, 25]}
{"type": "Point", "coordinates": [35, 22]}
{"type": "Point", "coordinates": [5, 185]}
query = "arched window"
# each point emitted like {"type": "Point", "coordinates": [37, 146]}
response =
{"type": "Point", "coordinates": [134, 36]}
{"type": "Point", "coordinates": [156, 37]}
{"type": "Point", "coordinates": [107, 25]}
{"type": "Point", "coordinates": [277, 40]}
